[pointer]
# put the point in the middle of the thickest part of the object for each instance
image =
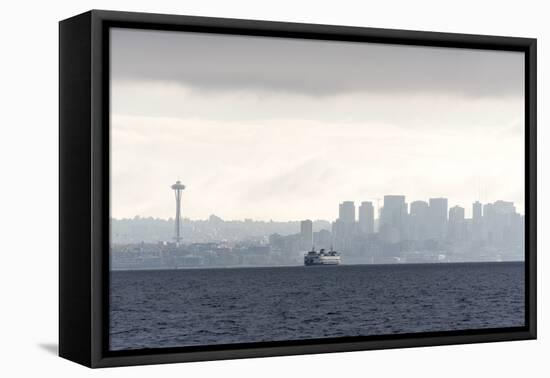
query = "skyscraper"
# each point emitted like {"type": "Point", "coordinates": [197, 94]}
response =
{"type": "Point", "coordinates": [477, 222]}
{"type": "Point", "coordinates": [476, 211]}
{"type": "Point", "coordinates": [306, 233]}
{"type": "Point", "coordinates": [457, 225]}
{"type": "Point", "coordinates": [344, 227]}
{"type": "Point", "coordinates": [366, 218]}
{"type": "Point", "coordinates": [438, 218]}
{"type": "Point", "coordinates": [504, 207]}
{"type": "Point", "coordinates": [393, 219]}
{"type": "Point", "coordinates": [498, 218]}
{"type": "Point", "coordinates": [347, 212]}
{"type": "Point", "coordinates": [418, 220]}
{"type": "Point", "coordinates": [456, 214]}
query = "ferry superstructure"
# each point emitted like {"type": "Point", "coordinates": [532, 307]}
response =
{"type": "Point", "coordinates": [322, 257]}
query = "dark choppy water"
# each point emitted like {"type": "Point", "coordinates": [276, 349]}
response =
{"type": "Point", "coordinates": [152, 309]}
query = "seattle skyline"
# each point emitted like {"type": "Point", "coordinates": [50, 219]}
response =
{"type": "Point", "coordinates": [377, 203]}
{"type": "Point", "coordinates": [420, 231]}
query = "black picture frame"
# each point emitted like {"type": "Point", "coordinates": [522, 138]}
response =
{"type": "Point", "coordinates": [84, 187]}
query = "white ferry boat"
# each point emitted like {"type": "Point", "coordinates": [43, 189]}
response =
{"type": "Point", "coordinates": [322, 257]}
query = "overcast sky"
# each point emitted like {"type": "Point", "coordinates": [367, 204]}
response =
{"type": "Point", "coordinates": [285, 129]}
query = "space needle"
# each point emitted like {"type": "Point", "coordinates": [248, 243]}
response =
{"type": "Point", "coordinates": [178, 188]}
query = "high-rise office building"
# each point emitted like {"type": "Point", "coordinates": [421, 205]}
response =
{"type": "Point", "coordinates": [438, 218]}
{"type": "Point", "coordinates": [344, 228]}
{"type": "Point", "coordinates": [504, 207]}
{"type": "Point", "coordinates": [366, 218]}
{"type": "Point", "coordinates": [347, 212]}
{"type": "Point", "coordinates": [418, 220]}
{"type": "Point", "coordinates": [393, 219]}
{"type": "Point", "coordinates": [499, 219]}
{"type": "Point", "coordinates": [456, 224]}
{"type": "Point", "coordinates": [477, 222]}
{"type": "Point", "coordinates": [306, 233]}
{"type": "Point", "coordinates": [476, 211]}
{"type": "Point", "coordinates": [456, 214]}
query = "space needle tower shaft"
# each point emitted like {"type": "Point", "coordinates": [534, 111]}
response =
{"type": "Point", "coordinates": [178, 189]}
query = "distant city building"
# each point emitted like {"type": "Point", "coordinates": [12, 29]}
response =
{"type": "Point", "coordinates": [366, 218]}
{"type": "Point", "coordinates": [346, 212]}
{"type": "Point", "coordinates": [456, 214]}
{"type": "Point", "coordinates": [501, 223]}
{"type": "Point", "coordinates": [476, 211]}
{"type": "Point", "coordinates": [438, 208]}
{"type": "Point", "coordinates": [306, 233]}
{"type": "Point", "coordinates": [504, 207]}
{"type": "Point", "coordinates": [393, 219]}
{"type": "Point", "coordinates": [276, 240]}
{"type": "Point", "coordinates": [344, 228]}
{"type": "Point", "coordinates": [215, 219]}
{"type": "Point", "coordinates": [456, 224]}
{"type": "Point", "coordinates": [322, 239]}
{"type": "Point", "coordinates": [489, 223]}
{"type": "Point", "coordinates": [476, 231]}
{"type": "Point", "coordinates": [419, 220]}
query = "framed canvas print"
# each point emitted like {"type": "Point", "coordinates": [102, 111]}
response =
{"type": "Point", "coordinates": [235, 188]}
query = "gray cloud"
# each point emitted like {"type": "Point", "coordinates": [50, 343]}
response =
{"type": "Point", "coordinates": [314, 68]}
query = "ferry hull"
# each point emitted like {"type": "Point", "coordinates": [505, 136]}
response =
{"type": "Point", "coordinates": [311, 263]}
